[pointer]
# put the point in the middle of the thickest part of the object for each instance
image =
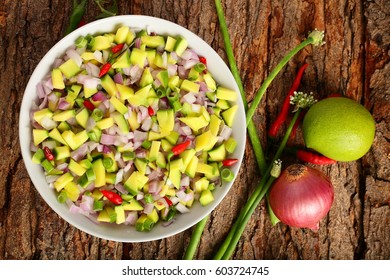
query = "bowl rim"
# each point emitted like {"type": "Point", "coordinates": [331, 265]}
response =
{"type": "Point", "coordinates": [29, 95]}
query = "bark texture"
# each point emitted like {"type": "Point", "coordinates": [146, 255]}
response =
{"type": "Point", "coordinates": [354, 61]}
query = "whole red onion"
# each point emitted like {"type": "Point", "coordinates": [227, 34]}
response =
{"type": "Point", "coordinates": [301, 196]}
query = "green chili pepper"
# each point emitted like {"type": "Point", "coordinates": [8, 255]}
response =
{"type": "Point", "coordinates": [76, 16]}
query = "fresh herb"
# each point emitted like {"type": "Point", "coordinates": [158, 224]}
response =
{"type": "Point", "coordinates": [303, 101]}
{"type": "Point", "coordinates": [111, 10]}
{"type": "Point", "coordinates": [315, 38]}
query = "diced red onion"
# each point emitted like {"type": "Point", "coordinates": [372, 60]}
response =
{"type": "Point", "coordinates": [40, 90]}
{"type": "Point", "coordinates": [147, 124]}
{"type": "Point", "coordinates": [52, 98]}
{"type": "Point", "coordinates": [118, 78]}
{"type": "Point", "coordinates": [181, 195]}
{"type": "Point", "coordinates": [99, 96]}
{"type": "Point", "coordinates": [128, 166]}
{"type": "Point", "coordinates": [62, 166]}
{"type": "Point", "coordinates": [131, 218]}
{"type": "Point", "coordinates": [188, 64]}
{"type": "Point", "coordinates": [57, 62]}
{"type": "Point", "coordinates": [156, 83]}
{"type": "Point", "coordinates": [226, 132]}
{"type": "Point", "coordinates": [174, 200]}
{"type": "Point", "coordinates": [196, 108]}
{"type": "Point", "coordinates": [126, 71]}
{"type": "Point", "coordinates": [92, 69]}
{"type": "Point", "coordinates": [52, 178]}
{"type": "Point", "coordinates": [49, 83]}
{"type": "Point", "coordinates": [203, 87]}
{"type": "Point", "coordinates": [90, 124]}
{"type": "Point", "coordinates": [153, 186]}
{"type": "Point", "coordinates": [119, 176]}
{"type": "Point", "coordinates": [139, 196]}
{"type": "Point", "coordinates": [48, 123]}
{"type": "Point", "coordinates": [154, 175]}
{"type": "Point", "coordinates": [73, 54]}
{"type": "Point", "coordinates": [74, 209]}
{"type": "Point", "coordinates": [33, 148]}
{"type": "Point", "coordinates": [181, 208]}
{"type": "Point", "coordinates": [81, 78]}
{"type": "Point", "coordinates": [140, 136]}
{"type": "Point", "coordinates": [99, 56]}
{"type": "Point", "coordinates": [137, 144]}
{"type": "Point", "coordinates": [91, 83]}
{"type": "Point", "coordinates": [155, 127]}
{"type": "Point", "coordinates": [137, 43]}
{"type": "Point", "coordinates": [164, 60]}
{"type": "Point", "coordinates": [86, 203]}
{"type": "Point", "coordinates": [135, 73]}
{"type": "Point", "coordinates": [185, 130]}
{"type": "Point", "coordinates": [172, 70]}
{"type": "Point", "coordinates": [168, 223]}
{"type": "Point", "coordinates": [116, 140]}
{"type": "Point", "coordinates": [190, 54]}
{"type": "Point", "coordinates": [185, 181]}
{"type": "Point", "coordinates": [148, 208]}
{"type": "Point", "coordinates": [183, 73]}
{"type": "Point", "coordinates": [174, 56]}
{"type": "Point", "coordinates": [63, 104]}
{"type": "Point", "coordinates": [47, 89]}
{"type": "Point", "coordinates": [189, 98]}
{"type": "Point", "coordinates": [91, 145]}
{"type": "Point", "coordinates": [121, 188]}
{"type": "Point", "coordinates": [140, 153]}
{"type": "Point", "coordinates": [44, 103]}
{"type": "Point", "coordinates": [106, 149]}
{"type": "Point", "coordinates": [105, 55]}
{"type": "Point", "coordinates": [80, 152]}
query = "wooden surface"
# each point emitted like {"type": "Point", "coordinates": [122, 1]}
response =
{"type": "Point", "coordinates": [354, 61]}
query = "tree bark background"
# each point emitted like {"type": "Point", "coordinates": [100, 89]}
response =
{"type": "Point", "coordinates": [354, 61]}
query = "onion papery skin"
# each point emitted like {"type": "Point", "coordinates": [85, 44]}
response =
{"type": "Point", "coordinates": [301, 196]}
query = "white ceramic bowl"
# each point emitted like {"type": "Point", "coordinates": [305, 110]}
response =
{"type": "Point", "coordinates": [123, 233]}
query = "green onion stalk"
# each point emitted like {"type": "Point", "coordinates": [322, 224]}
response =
{"type": "Point", "coordinates": [315, 38]}
{"type": "Point", "coordinates": [301, 101]}
{"type": "Point", "coordinates": [256, 144]}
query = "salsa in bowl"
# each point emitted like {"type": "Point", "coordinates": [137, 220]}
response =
{"type": "Point", "coordinates": [132, 128]}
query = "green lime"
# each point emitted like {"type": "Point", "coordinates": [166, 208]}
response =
{"type": "Point", "coordinates": [339, 128]}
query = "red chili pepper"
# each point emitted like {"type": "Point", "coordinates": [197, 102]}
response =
{"type": "Point", "coordinates": [203, 60]}
{"type": "Point", "coordinates": [117, 48]}
{"type": "Point", "coordinates": [229, 161]}
{"type": "Point", "coordinates": [168, 201]}
{"type": "Point", "coordinates": [104, 70]}
{"type": "Point", "coordinates": [81, 23]}
{"type": "Point", "coordinates": [88, 104]}
{"type": "Point", "coordinates": [150, 111]}
{"type": "Point", "coordinates": [314, 158]}
{"type": "Point", "coordinates": [281, 118]}
{"type": "Point", "coordinates": [48, 153]}
{"type": "Point", "coordinates": [113, 197]}
{"type": "Point", "coordinates": [179, 148]}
